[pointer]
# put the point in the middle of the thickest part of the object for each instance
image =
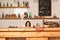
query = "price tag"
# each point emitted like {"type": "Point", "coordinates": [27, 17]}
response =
{"type": "Point", "coordinates": [39, 29]}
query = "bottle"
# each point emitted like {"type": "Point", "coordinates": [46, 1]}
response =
{"type": "Point", "coordinates": [59, 23]}
{"type": "Point", "coordinates": [23, 4]}
{"type": "Point", "coordinates": [27, 4]}
{"type": "Point", "coordinates": [18, 15]}
{"type": "Point", "coordinates": [3, 5]}
{"type": "Point", "coordinates": [18, 3]}
{"type": "Point", "coordinates": [37, 25]}
{"type": "Point", "coordinates": [29, 15]}
{"type": "Point", "coordinates": [25, 15]}
{"type": "Point", "coordinates": [7, 4]}
{"type": "Point", "coordinates": [0, 4]}
{"type": "Point", "coordinates": [33, 26]}
{"type": "Point", "coordinates": [3, 15]}
{"type": "Point", "coordinates": [10, 5]}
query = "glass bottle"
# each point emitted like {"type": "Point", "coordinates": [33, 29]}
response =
{"type": "Point", "coordinates": [23, 4]}
{"type": "Point", "coordinates": [3, 15]}
{"type": "Point", "coordinates": [29, 15]}
{"type": "Point", "coordinates": [7, 4]}
{"type": "Point", "coordinates": [10, 5]}
{"type": "Point", "coordinates": [18, 15]}
{"type": "Point", "coordinates": [0, 4]}
{"type": "Point", "coordinates": [18, 3]}
{"type": "Point", "coordinates": [3, 5]}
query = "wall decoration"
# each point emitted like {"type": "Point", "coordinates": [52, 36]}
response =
{"type": "Point", "coordinates": [44, 7]}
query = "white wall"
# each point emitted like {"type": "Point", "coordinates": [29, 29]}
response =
{"type": "Point", "coordinates": [19, 23]}
{"type": "Point", "coordinates": [33, 9]}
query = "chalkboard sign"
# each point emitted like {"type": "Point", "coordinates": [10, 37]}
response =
{"type": "Point", "coordinates": [44, 7]}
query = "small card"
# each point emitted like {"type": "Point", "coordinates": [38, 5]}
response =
{"type": "Point", "coordinates": [39, 29]}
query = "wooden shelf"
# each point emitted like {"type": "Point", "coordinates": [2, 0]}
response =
{"type": "Point", "coordinates": [26, 18]}
{"type": "Point", "coordinates": [14, 7]}
{"type": "Point", "coordinates": [40, 18]}
{"type": "Point", "coordinates": [9, 18]}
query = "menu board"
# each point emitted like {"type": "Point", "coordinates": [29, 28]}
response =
{"type": "Point", "coordinates": [44, 7]}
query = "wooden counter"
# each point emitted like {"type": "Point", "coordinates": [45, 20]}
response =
{"type": "Point", "coordinates": [29, 33]}
{"type": "Point", "coordinates": [27, 29]}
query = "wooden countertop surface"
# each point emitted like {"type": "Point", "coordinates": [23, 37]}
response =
{"type": "Point", "coordinates": [28, 29]}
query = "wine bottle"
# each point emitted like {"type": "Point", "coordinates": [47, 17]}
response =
{"type": "Point", "coordinates": [18, 15]}
{"type": "Point", "coordinates": [7, 4]}
{"type": "Point", "coordinates": [18, 3]}
{"type": "Point", "coordinates": [0, 4]}
{"type": "Point", "coordinates": [10, 5]}
{"type": "Point", "coordinates": [3, 15]}
{"type": "Point", "coordinates": [3, 5]}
